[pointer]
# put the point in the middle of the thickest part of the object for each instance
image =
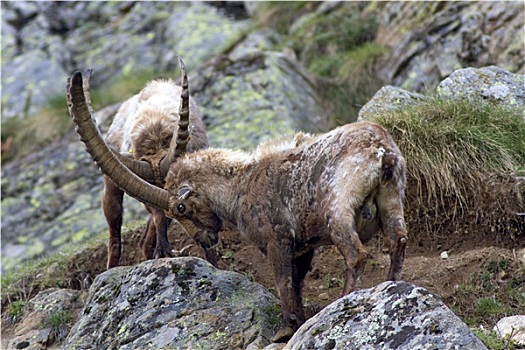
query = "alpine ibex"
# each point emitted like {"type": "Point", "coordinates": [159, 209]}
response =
{"type": "Point", "coordinates": [148, 133]}
{"type": "Point", "coordinates": [287, 197]}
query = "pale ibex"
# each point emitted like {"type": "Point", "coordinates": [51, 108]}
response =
{"type": "Point", "coordinates": [149, 132]}
{"type": "Point", "coordinates": [287, 197]}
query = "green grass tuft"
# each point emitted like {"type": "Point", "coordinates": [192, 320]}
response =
{"type": "Point", "coordinates": [279, 15]}
{"type": "Point", "coordinates": [23, 283]}
{"type": "Point", "coordinates": [455, 148]}
{"type": "Point", "coordinates": [16, 310]}
{"type": "Point", "coordinates": [489, 306]}
{"type": "Point", "coordinates": [60, 322]}
{"type": "Point", "coordinates": [273, 312]}
{"type": "Point", "coordinates": [490, 294]}
{"type": "Point", "coordinates": [32, 132]}
{"type": "Point", "coordinates": [492, 340]}
{"type": "Point", "coordinates": [323, 42]}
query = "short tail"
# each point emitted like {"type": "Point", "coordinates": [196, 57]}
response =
{"type": "Point", "coordinates": [392, 167]}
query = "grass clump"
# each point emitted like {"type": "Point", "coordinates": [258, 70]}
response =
{"type": "Point", "coordinates": [60, 323]}
{"type": "Point", "coordinates": [21, 284]}
{"type": "Point", "coordinates": [20, 136]}
{"type": "Point", "coordinates": [356, 80]}
{"type": "Point", "coordinates": [463, 158]}
{"type": "Point", "coordinates": [279, 15]}
{"type": "Point", "coordinates": [273, 313]}
{"type": "Point", "coordinates": [490, 294]}
{"type": "Point", "coordinates": [326, 41]}
{"type": "Point", "coordinates": [337, 47]}
{"type": "Point", "coordinates": [492, 340]}
{"type": "Point", "coordinates": [488, 306]}
{"type": "Point", "coordinates": [15, 311]}
{"type": "Point", "coordinates": [332, 282]}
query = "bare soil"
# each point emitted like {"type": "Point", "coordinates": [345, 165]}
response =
{"type": "Point", "coordinates": [477, 260]}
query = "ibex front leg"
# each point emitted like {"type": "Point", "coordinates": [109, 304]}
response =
{"type": "Point", "coordinates": [112, 198]}
{"type": "Point", "coordinates": [155, 243]}
{"type": "Point", "coordinates": [350, 246]}
{"type": "Point", "coordinates": [281, 254]}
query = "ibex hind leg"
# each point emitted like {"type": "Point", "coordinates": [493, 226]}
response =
{"type": "Point", "coordinates": [112, 199]}
{"type": "Point", "coordinates": [390, 205]}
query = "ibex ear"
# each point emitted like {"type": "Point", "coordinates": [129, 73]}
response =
{"type": "Point", "coordinates": [184, 192]}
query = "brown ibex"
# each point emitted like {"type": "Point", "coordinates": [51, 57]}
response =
{"type": "Point", "coordinates": [149, 132]}
{"type": "Point", "coordinates": [287, 197]}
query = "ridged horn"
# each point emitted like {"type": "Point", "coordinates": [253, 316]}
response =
{"type": "Point", "coordinates": [141, 168]}
{"type": "Point", "coordinates": [181, 138]}
{"type": "Point", "coordinates": [107, 160]}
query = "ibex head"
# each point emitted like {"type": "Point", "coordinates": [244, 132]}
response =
{"type": "Point", "coordinates": [187, 205]}
{"type": "Point", "coordinates": [145, 163]}
{"type": "Point", "coordinates": [129, 174]}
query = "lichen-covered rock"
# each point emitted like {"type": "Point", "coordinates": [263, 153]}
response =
{"type": "Point", "coordinates": [430, 40]}
{"type": "Point", "coordinates": [393, 315]}
{"type": "Point", "coordinates": [253, 94]}
{"type": "Point", "coordinates": [52, 197]}
{"type": "Point", "coordinates": [180, 303]}
{"type": "Point", "coordinates": [46, 42]}
{"type": "Point", "coordinates": [492, 84]}
{"type": "Point", "coordinates": [47, 319]}
{"type": "Point", "coordinates": [386, 99]}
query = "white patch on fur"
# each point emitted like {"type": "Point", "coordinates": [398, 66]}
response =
{"type": "Point", "coordinates": [380, 152]}
{"type": "Point", "coordinates": [354, 178]}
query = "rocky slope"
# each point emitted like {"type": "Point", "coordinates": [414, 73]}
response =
{"type": "Point", "coordinates": [250, 87]}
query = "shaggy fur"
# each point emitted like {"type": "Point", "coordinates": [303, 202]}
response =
{"type": "Point", "coordinates": [290, 196]}
{"type": "Point", "coordinates": [143, 127]}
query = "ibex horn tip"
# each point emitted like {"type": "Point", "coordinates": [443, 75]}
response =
{"type": "Point", "coordinates": [76, 78]}
{"type": "Point", "coordinates": [181, 62]}
{"type": "Point", "coordinates": [87, 73]}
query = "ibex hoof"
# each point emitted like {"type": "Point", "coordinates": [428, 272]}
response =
{"type": "Point", "coordinates": [163, 253]}
{"type": "Point", "coordinates": [282, 335]}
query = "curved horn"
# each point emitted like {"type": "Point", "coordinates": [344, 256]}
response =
{"type": "Point", "coordinates": [181, 139]}
{"type": "Point", "coordinates": [141, 168]}
{"type": "Point", "coordinates": [102, 155]}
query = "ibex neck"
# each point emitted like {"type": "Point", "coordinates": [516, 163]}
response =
{"type": "Point", "coordinates": [222, 175]}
